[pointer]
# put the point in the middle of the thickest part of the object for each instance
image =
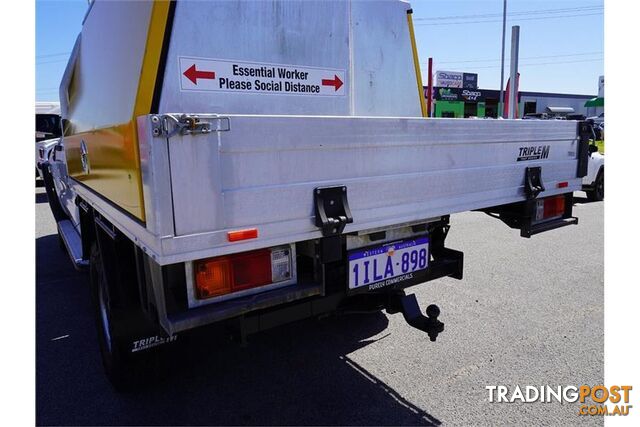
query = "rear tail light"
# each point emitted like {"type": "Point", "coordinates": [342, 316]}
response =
{"type": "Point", "coordinates": [238, 272]}
{"type": "Point", "coordinates": [251, 269]}
{"type": "Point", "coordinates": [213, 277]}
{"type": "Point", "coordinates": [550, 208]}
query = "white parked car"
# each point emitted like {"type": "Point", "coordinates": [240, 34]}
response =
{"type": "Point", "coordinates": [599, 119]}
{"type": "Point", "coordinates": [593, 182]}
{"type": "Point", "coordinates": [48, 131]}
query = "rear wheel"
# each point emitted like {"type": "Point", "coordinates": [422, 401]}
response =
{"type": "Point", "coordinates": [597, 193]}
{"type": "Point", "coordinates": [113, 349]}
{"type": "Point", "coordinates": [122, 327]}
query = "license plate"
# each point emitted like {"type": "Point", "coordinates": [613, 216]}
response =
{"type": "Point", "coordinates": [388, 264]}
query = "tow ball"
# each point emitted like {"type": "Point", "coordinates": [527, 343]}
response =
{"type": "Point", "coordinates": [408, 306]}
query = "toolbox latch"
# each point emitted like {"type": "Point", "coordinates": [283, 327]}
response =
{"type": "Point", "coordinates": [168, 125]}
{"type": "Point", "coordinates": [533, 182]}
{"type": "Point", "coordinates": [332, 209]}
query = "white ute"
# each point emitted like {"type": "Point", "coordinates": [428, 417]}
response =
{"type": "Point", "coordinates": [249, 164]}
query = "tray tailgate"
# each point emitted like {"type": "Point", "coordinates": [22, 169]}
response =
{"type": "Point", "coordinates": [262, 171]}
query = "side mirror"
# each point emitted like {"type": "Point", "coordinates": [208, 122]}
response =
{"type": "Point", "coordinates": [593, 148]}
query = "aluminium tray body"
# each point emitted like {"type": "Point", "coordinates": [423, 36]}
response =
{"type": "Point", "coordinates": [260, 172]}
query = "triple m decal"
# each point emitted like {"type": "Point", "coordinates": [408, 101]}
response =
{"type": "Point", "coordinates": [533, 153]}
{"type": "Point", "coordinates": [149, 342]}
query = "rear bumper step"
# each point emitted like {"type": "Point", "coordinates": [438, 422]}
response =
{"type": "Point", "coordinates": [546, 226]}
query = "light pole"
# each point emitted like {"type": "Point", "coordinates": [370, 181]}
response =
{"type": "Point", "coordinates": [504, 29]}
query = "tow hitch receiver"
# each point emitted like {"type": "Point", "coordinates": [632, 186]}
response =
{"type": "Point", "coordinates": [408, 305]}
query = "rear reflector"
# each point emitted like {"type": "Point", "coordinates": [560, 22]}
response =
{"type": "Point", "coordinates": [231, 273]}
{"type": "Point", "coordinates": [249, 233]}
{"type": "Point", "coordinates": [563, 184]}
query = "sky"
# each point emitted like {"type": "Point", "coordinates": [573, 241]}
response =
{"type": "Point", "coordinates": [561, 41]}
{"type": "Point", "coordinates": [58, 23]}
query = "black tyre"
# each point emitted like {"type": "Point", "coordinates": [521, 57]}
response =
{"type": "Point", "coordinates": [117, 364]}
{"type": "Point", "coordinates": [596, 194]}
{"type": "Point", "coordinates": [121, 327]}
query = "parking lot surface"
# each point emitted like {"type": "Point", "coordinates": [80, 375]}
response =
{"type": "Point", "coordinates": [528, 312]}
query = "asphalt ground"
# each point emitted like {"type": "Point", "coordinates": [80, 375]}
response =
{"type": "Point", "coordinates": [528, 312]}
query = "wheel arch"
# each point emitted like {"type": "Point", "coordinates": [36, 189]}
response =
{"type": "Point", "coordinates": [118, 253]}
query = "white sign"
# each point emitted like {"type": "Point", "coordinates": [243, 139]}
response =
{"type": "Point", "coordinates": [221, 75]}
{"type": "Point", "coordinates": [449, 79]}
{"type": "Point", "coordinates": [601, 87]}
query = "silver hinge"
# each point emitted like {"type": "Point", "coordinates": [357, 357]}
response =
{"type": "Point", "coordinates": [168, 125]}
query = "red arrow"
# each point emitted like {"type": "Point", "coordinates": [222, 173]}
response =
{"type": "Point", "coordinates": [335, 82]}
{"type": "Point", "coordinates": [193, 74]}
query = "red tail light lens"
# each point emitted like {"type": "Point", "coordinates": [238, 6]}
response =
{"type": "Point", "coordinates": [550, 207]}
{"type": "Point", "coordinates": [553, 206]}
{"type": "Point", "coordinates": [251, 269]}
{"type": "Point", "coordinates": [226, 274]}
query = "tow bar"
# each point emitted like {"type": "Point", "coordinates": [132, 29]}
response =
{"type": "Point", "coordinates": [408, 306]}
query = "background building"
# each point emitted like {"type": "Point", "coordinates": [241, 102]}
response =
{"type": "Point", "coordinates": [457, 95]}
{"type": "Point", "coordinates": [538, 102]}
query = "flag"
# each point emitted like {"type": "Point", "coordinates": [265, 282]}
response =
{"type": "Point", "coordinates": [507, 97]}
